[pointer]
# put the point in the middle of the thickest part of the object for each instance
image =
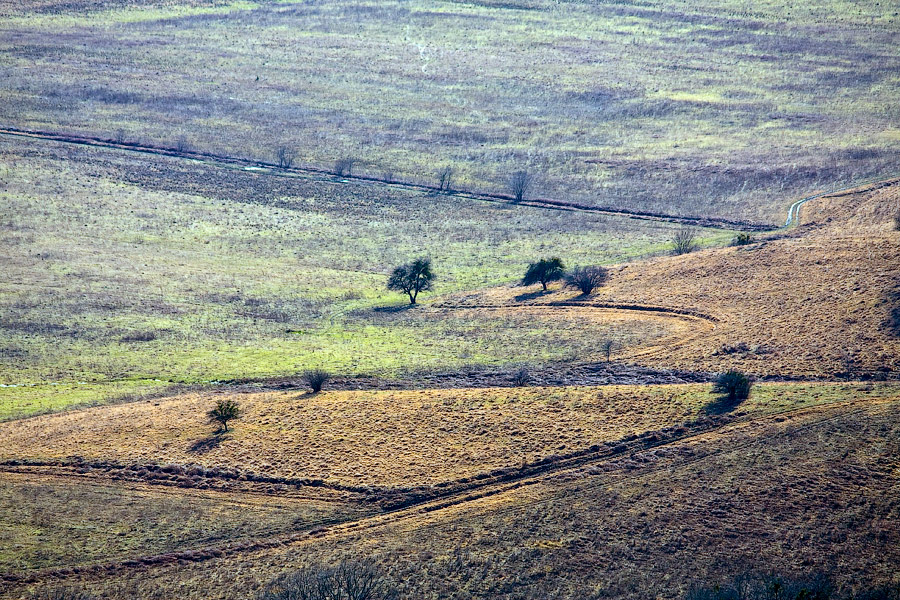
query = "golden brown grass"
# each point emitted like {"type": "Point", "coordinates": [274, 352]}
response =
{"type": "Point", "coordinates": [386, 438]}
{"type": "Point", "coordinates": [799, 304]}
{"type": "Point", "coordinates": [818, 491]}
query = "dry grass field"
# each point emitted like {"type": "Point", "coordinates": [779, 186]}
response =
{"type": "Point", "coordinates": [493, 441]}
{"type": "Point", "coordinates": [815, 489]}
{"type": "Point", "coordinates": [385, 439]}
{"type": "Point", "coordinates": [817, 301]}
{"type": "Point", "coordinates": [686, 108]}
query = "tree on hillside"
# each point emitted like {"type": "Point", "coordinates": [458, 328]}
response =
{"type": "Point", "coordinates": [544, 271]}
{"type": "Point", "coordinates": [224, 411]}
{"type": "Point", "coordinates": [685, 241]}
{"type": "Point", "coordinates": [445, 178]}
{"type": "Point", "coordinates": [733, 387]}
{"type": "Point", "coordinates": [586, 279]}
{"type": "Point", "coordinates": [412, 278]}
{"type": "Point", "coordinates": [608, 346]}
{"type": "Point", "coordinates": [519, 184]}
{"type": "Point", "coordinates": [285, 157]}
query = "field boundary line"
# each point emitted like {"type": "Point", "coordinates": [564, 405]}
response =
{"type": "Point", "coordinates": [272, 169]}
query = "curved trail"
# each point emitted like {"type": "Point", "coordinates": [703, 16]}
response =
{"type": "Point", "coordinates": [793, 216]}
{"type": "Point", "coordinates": [832, 412]}
{"type": "Point", "coordinates": [272, 169]}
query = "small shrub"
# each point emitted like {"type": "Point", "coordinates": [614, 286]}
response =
{"type": "Point", "coordinates": [519, 184]}
{"type": "Point", "coordinates": [445, 178]}
{"type": "Point", "coordinates": [544, 271]}
{"type": "Point", "coordinates": [685, 241]}
{"type": "Point", "coordinates": [521, 377]}
{"type": "Point", "coordinates": [181, 145]}
{"type": "Point", "coordinates": [349, 580]}
{"type": "Point", "coordinates": [586, 279]}
{"type": "Point", "coordinates": [285, 157]}
{"type": "Point", "coordinates": [742, 239]}
{"type": "Point", "coordinates": [897, 221]}
{"type": "Point", "coordinates": [733, 387]}
{"type": "Point", "coordinates": [316, 379]}
{"type": "Point", "coordinates": [608, 346]}
{"type": "Point", "coordinates": [343, 167]}
{"type": "Point", "coordinates": [224, 411]}
{"type": "Point", "coordinates": [139, 336]}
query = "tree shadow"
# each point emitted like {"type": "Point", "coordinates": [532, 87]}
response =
{"type": "Point", "coordinates": [530, 295]}
{"type": "Point", "coordinates": [206, 444]}
{"type": "Point", "coordinates": [721, 405]}
{"type": "Point", "coordinates": [395, 308]}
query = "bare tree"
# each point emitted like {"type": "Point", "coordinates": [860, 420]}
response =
{"type": "Point", "coordinates": [685, 241]}
{"type": "Point", "coordinates": [519, 184]}
{"type": "Point", "coordinates": [586, 279]}
{"type": "Point", "coordinates": [181, 144]}
{"type": "Point", "coordinates": [349, 580]}
{"type": "Point", "coordinates": [343, 167]}
{"type": "Point", "coordinates": [120, 136]}
{"type": "Point", "coordinates": [316, 379]}
{"type": "Point", "coordinates": [848, 362]}
{"type": "Point", "coordinates": [608, 346]}
{"type": "Point", "coordinates": [285, 157]}
{"type": "Point", "coordinates": [445, 178]}
{"type": "Point", "coordinates": [897, 221]}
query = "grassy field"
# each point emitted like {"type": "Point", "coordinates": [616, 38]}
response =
{"type": "Point", "coordinates": [142, 272]}
{"type": "Point", "coordinates": [57, 522]}
{"type": "Point", "coordinates": [819, 301]}
{"type": "Point", "coordinates": [817, 491]}
{"type": "Point", "coordinates": [688, 109]}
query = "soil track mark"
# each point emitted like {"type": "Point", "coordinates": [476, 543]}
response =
{"type": "Point", "coordinates": [639, 447]}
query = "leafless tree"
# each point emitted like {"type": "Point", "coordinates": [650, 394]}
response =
{"type": "Point", "coordinates": [316, 379]}
{"type": "Point", "coordinates": [120, 136]}
{"type": "Point", "coordinates": [519, 184]}
{"type": "Point", "coordinates": [349, 580]}
{"type": "Point", "coordinates": [608, 346]}
{"type": "Point", "coordinates": [343, 167]}
{"type": "Point", "coordinates": [285, 157]}
{"type": "Point", "coordinates": [685, 241]}
{"type": "Point", "coordinates": [586, 279]}
{"type": "Point", "coordinates": [181, 144]}
{"type": "Point", "coordinates": [445, 178]}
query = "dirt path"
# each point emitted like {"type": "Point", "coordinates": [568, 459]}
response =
{"type": "Point", "coordinates": [748, 431]}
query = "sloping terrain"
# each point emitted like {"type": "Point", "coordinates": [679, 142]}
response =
{"type": "Point", "coordinates": [816, 489]}
{"type": "Point", "coordinates": [816, 301]}
{"type": "Point", "coordinates": [707, 107]}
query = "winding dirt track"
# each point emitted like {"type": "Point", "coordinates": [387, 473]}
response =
{"type": "Point", "coordinates": [761, 430]}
